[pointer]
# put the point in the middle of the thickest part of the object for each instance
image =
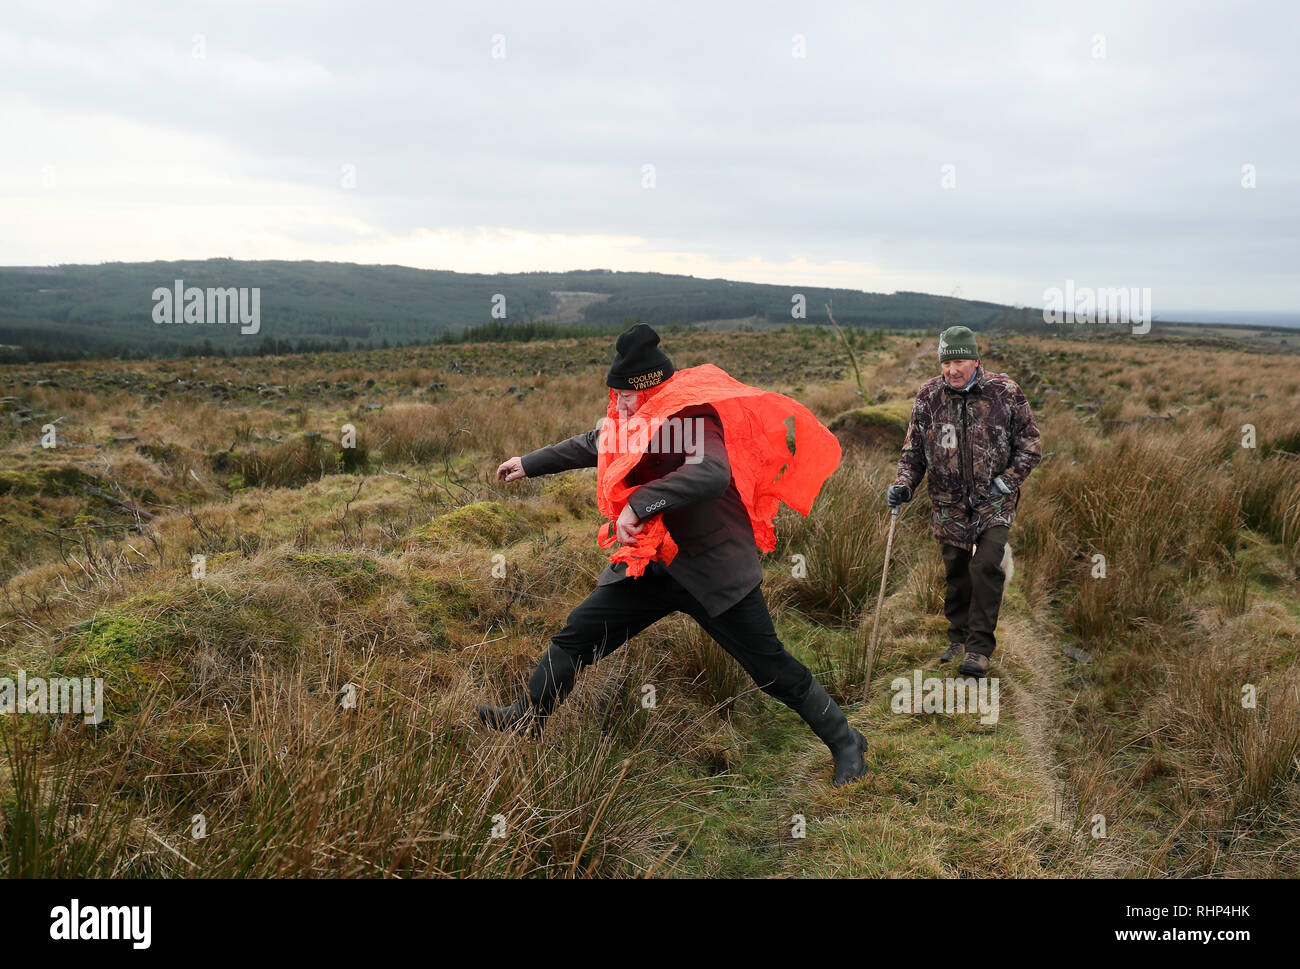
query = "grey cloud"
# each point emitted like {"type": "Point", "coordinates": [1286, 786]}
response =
{"type": "Point", "coordinates": [1125, 167]}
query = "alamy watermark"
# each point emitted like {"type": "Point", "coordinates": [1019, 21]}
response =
{"type": "Point", "coordinates": [58, 694]}
{"type": "Point", "coordinates": [676, 435]}
{"type": "Point", "coordinates": [952, 694]}
{"type": "Point", "coordinates": [1083, 304]}
{"type": "Point", "coordinates": [216, 304]}
{"type": "Point", "coordinates": [128, 923]}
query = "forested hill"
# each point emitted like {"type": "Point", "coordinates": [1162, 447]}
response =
{"type": "Point", "coordinates": [109, 310]}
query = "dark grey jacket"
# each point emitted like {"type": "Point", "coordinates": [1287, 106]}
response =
{"type": "Point", "coordinates": [717, 558]}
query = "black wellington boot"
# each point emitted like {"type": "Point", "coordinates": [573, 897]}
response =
{"type": "Point", "coordinates": [548, 685]}
{"type": "Point", "coordinates": [828, 722]}
{"type": "Point", "coordinates": [519, 717]}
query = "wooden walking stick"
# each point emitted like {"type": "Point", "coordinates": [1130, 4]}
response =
{"type": "Point", "coordinates": [880, 602]}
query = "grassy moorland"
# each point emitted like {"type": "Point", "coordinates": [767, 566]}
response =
{"type": "Point", "coordinates": [302, 695]}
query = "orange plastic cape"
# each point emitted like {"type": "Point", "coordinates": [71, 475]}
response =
{"type": "Point", "coordinates": [762, 466]}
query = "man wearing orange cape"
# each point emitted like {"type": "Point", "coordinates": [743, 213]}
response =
{"type": "Point", "coordinates": [692, 466]}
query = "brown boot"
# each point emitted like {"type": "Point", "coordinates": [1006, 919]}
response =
{"type": "Point", "coordinates": [974, 664]}
{"type": "Point", "coordinates": [952, 652]}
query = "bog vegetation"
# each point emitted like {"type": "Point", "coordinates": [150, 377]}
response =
{"type": "Point", "coordinates": [293, 633]}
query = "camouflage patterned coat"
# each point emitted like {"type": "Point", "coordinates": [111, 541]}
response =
{"type": "Point", "coordinates": [965, 439]}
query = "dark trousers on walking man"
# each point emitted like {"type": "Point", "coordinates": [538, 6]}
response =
{"type": "Point", "coordinates": [973, 592]}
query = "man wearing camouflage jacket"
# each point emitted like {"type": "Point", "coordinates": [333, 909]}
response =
{"type": "Point", "coordinates": [975, 434]}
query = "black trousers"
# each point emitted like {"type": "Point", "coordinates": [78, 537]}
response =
{"type": "Point", "coordinates": [973, 595]}
{"type": "Point", "coordinates": [614, 613]}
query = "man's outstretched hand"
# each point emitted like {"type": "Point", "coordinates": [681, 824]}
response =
{"type": "Point", "coordinates": [628, 526]}
{"type": "Point", "coordinates": [511, 470]}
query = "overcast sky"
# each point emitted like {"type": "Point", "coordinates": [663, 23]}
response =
{"type": "Point", "coordinates": [1097, 142]}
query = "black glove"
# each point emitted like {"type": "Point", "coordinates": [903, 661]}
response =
{"type": "Point", "coordinates": [897, 494]}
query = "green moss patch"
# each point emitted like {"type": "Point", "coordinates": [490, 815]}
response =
{"type": "Point", "coordinates": [49, 480]}
{"type": "Point", "coordinates": [442, 604]}
{"type": "Point", "coordinates": [355, 575]}
{"type": "Point", "coordinates": [120, 648]}
{"type": "Point", "coordinates": [576, 493]}
{"type": "Point", "coordinates": [874, 426]}
{"type": "Point", "coordinates": [480, 523]}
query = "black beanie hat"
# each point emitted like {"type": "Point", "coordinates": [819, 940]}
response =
{"type": "Point", "coordinates": [638, 362]}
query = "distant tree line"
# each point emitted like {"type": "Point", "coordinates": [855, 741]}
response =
{"type": "Point", "coordinates": [76, 312]}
